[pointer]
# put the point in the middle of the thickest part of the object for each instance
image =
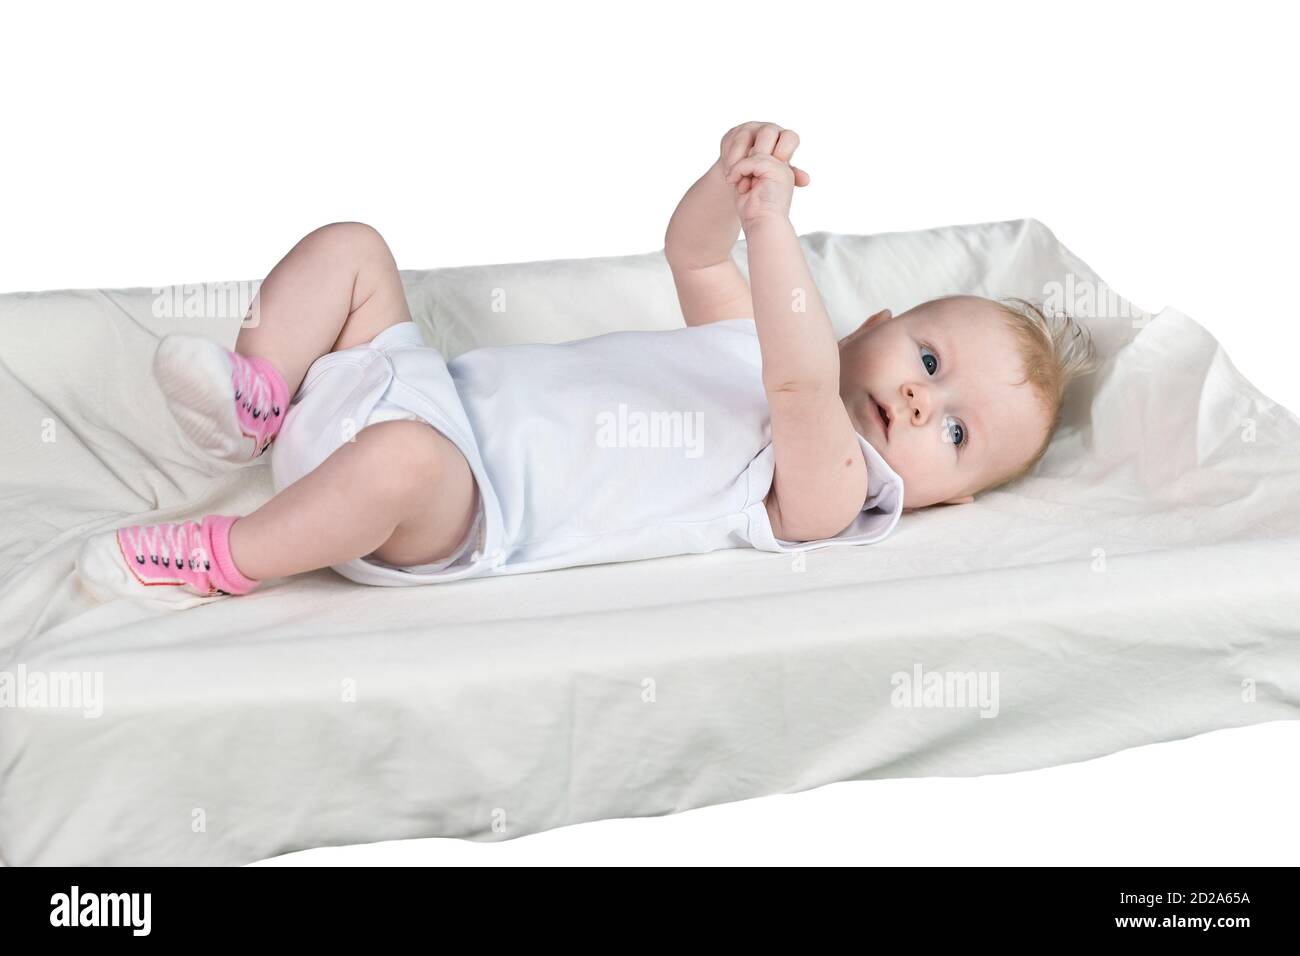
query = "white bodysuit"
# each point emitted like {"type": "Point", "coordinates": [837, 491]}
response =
{"type": "Point", "coordinates": [619, 447]}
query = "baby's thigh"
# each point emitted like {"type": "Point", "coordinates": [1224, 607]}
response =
{"type": "Point", "coordinates": [425, 471]}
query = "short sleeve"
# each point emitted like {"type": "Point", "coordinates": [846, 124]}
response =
{"type": "Point", "coordinates": [879, 514]}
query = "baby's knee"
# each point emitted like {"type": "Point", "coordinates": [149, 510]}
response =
{"type": "Point", "coordinates": [404, 459]}
{"type": "Point", "coordinates": [349, 240]}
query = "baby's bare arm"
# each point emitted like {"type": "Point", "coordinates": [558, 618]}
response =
{"type": "Point", "coordinates": [820, 482]}
{"type": "Point", "coordinates": [698, 244]}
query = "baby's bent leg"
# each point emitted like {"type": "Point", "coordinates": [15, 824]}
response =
{"type": "Point", "coordinates": [338, 287]}
{"type": "Point", "coordinates": [401, 491]}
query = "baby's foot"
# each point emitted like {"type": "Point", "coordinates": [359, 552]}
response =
{"type": "Point", "coordinates": [230, 405]}
{"type": "Point", "coordinates": [178, 564]}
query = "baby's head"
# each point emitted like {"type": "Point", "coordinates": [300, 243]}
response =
{"type": "Point", "coordinates": [971, 390]}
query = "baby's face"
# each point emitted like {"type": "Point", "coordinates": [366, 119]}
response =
{"type": "Point", "coordinates": [945, 373]}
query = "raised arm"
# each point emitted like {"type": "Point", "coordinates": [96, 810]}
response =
{"type": "Point", "coordinates": [705, 225]}
{"type": "Point", "coordinates": [820, 482]}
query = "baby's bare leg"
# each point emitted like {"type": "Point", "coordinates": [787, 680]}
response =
{"type": "Point", "coordinates": [401, 491]}
{"type": "Point", "coordinates": [336, 288]}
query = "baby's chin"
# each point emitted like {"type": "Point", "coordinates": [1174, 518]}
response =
{"type": "Point", "coordinates": [912, 501]}
{"type": "Point", "coordinates": [908, 496]}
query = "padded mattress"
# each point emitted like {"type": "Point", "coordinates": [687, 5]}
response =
{"type": "Point", "coordinates": [1138, 586]}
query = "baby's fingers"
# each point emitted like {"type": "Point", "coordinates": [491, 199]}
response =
{"type": "Point", "coordinates": [737, 143]}
{"type": "Point", "coordinates": [766, 138]}
{"type": "Point", "coordinates": [785, 145]}
{"type": "Point", "coordinates": [736, 151]}
{"type": "Point", "coordinates": [757, 165]}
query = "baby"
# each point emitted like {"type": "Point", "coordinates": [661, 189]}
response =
{"type": "Point", "coordinates": [394, 466]}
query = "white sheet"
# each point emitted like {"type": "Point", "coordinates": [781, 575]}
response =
{"type": "Point", "coordinates": [1138, 587]}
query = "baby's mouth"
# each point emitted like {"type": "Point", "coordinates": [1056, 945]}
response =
{"type": "Point", "coordinates": [882, 413]}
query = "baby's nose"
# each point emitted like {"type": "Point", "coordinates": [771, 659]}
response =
{"type": "Point", "coordinates": [918, 403]}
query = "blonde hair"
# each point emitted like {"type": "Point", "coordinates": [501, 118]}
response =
{"type": "Point", "coordinates": [1054, 350]}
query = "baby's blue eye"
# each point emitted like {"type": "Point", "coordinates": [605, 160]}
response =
{"type": "Point", "coordinates": [930, 360]}
{"type": "Point", "coordinates": [954, 431]}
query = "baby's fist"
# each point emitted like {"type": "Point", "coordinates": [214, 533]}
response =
{"type": "Point", "coordinates": [749, 139]}
{"type": "Point", "coordinates": [764, 187]}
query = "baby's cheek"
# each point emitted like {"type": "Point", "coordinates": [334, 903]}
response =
{"type": "Point", "coordinates": [915, 463]}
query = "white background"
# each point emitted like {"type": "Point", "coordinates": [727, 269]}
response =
{"type": "Point", "coordinates": [152, 144]}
